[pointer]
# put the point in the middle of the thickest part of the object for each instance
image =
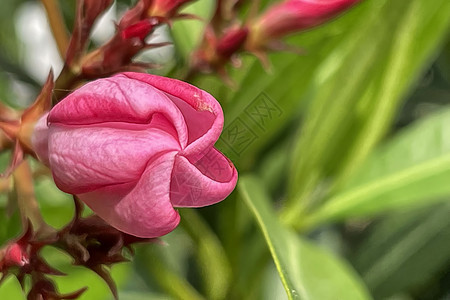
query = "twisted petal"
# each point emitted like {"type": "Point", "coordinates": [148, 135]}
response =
{"type": "Point", "coordinates": [144, 209]}
{"type": "Point", "coordinates": [202, 113]}
{"type": "Point", "coordinates": [208, 181]}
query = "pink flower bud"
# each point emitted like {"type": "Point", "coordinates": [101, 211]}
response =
{"type": "Point", "coordinates": [118, 53]}
{"type": "Point", "coordinates": [133, 146]}
{"type": "Point", "coordinates": [14, 254]}
{"type": "Point", "coordinates": [140, 30]}
{"type": "Point", "coordinates": [295, 15]}
{"type": "Point", "coordinates": [231, 41]}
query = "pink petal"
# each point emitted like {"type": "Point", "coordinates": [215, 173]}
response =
{"type": "Point", "coordinates": [143, 210]}
{"type": "Point", "coordinates": [90, 157]}
{"type": "Point", "coordinates": [202, 113]}
{"type": "Point", "coordinates": [39, 139]}
{"type": "Point", "coordinates": [209, 181]}
{"type": "Point", "coordinates": [117, 99]}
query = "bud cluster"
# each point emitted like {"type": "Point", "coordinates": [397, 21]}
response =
{"type": "Point", "coordinates": [90, 241]}
{"type": "Point", "coordinates": [116, 55]}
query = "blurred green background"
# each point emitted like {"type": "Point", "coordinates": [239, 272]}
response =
{"type": "Point", "coordinates": [343, 155]}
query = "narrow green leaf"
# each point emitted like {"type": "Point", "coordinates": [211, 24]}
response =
{"type": "Point", "coordinates": [11, 289]}
{"type": "Point", "coordinates": [405, 250]}
{"type": "Point", "coordinates": [412, 169]}
{"type": "Point", "coordinates": [153, 265]}
{"type": "Point", "coordinates": [213, 262]}
{"type": "Point", "coordinates": [306, 270]}
{"type": "Point", "coordinates": [133, 295]}
{"type": "Point", "coordinates": [422, 23]}
{"type": "Point", "coordinates": [358, 89]}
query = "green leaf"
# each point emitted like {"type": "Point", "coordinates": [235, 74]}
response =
{"type": "Point", "coordinates": [422, 23]}
{"type": "Point", "coordinates": [213, 262]}
{"type": "Point", "coordinates": [411, 169]}
{"type": "Point", "coordinates": [358, 89]}
{"type": "Point", "coordinates": [153, 263]}
{"type": "Point", "coordinates": [10, 289]}
{"type": "Point", "coordinates": [11, 225]}
{"type": "Point", "coordinates": [306, 270]}
{"type": "Point", "coordinates": [132, 295]}
{"type": "Point", "coordinates": [56, 206]}
{"type": "Point", "coordinates": [405, 251]}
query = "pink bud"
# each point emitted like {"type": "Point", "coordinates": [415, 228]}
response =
{"type": "Point", "coordinates": [296, 15]}
{"type": "Point", "coordinates": [140, 29]}
{"type": "Point", "coordinates": [15, 255]}
{"type": "Point", "coordinates": [133, 146]}
{"type": "Point", "coordinates": [231, 41]}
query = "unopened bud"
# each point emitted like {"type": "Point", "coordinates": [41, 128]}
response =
{"type": "Point", "coordinates": [117, 54]}
{"type": "Point", "coordinates": [293, 16]}
{"type": "Point", "coordinates": [14, 255]}
{"type": "Point", "coordinates": [140, 30]}
{"type": "Point", "coordinates": [231, 41]}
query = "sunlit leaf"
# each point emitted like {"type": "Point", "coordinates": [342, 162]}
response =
{"type": "Point", "coordinates": [359, 87]}
{"type": "Point", "coordinates": [153, 265]}
{"type": "Point", "coordinates": [306, 270]}
{"type": "Point", "coordinates": [213, 262]}
{"type": "Point", "coordinates": [405, 250]}
{"type": "Point", "coordinates": [10, 289]}
{"type": "Point", "coordinates": [411, 169]}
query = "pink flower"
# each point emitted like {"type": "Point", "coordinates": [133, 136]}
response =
{"type": "Point", "coordinates": [133, 146]}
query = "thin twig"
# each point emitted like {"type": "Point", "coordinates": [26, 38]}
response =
{"type": "Point", "coordinates": [57, 25]}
